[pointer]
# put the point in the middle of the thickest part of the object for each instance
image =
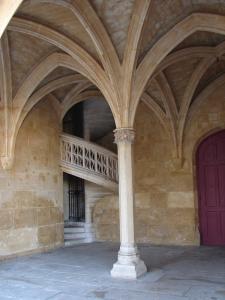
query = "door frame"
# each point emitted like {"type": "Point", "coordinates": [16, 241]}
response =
{"type": "Point", "coordinates": [204, 137]}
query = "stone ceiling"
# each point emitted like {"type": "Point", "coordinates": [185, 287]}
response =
{"type": "Point", "coordinates": [26, 51]}
{"type": "Point", "coordinates": [164, 14]}
{"type": "Point", "coordinates": [166, 92]}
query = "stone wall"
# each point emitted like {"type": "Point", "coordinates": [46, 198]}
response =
{"type": "Point", "coordinates": [31, 207]}
{"type": "Point", "coordinates": [93, 193]}
{"type": "Point", "coordinates": [106, 218]}
{"type": "Point", "coordinates": [166, 205]}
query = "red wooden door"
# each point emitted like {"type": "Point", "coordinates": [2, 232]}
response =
{"type": "Point", "coordinates": [211, 189]}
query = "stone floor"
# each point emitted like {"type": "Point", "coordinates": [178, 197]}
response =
{"type": "Point", "coordinates": [82, 272]}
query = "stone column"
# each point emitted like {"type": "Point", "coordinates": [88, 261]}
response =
{"type": "Point", "coordinates": [128, 265]}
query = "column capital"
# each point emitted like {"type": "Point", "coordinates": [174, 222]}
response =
{"type": "Point", "coordinates": [124, 135]}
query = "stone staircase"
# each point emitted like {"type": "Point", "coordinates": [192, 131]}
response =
{"type": "Point", "coordinates": [74, 233]}
{"type": "Point", "coordinates": [80, 232]}
{"type": "Point", "coordinates": [89, 161]}
{"type": "Point", "coordinates": [98, 167]}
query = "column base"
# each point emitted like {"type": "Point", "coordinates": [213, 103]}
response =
{"type": "Point", "coordinates": [129, 271]}
{"type": "Point", "coordinates": [129, 265]}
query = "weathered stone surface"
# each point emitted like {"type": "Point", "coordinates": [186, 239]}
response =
{"type": "Point", "coordinates": [60, 233]}
{"type": "Point", "coordinates": [35, 197]}
{"type": "Point", "coordinates": [6, 219]}
{"type": "Point", "coordinates": [25, 218]}
{"type": "Point", "coordinates": [14, 241]}
{"type": "Point", "coordinates": [44, 216]}
{"type": "Point", "coordinates": [181, 199]}
{"type": "Point", "coordinates": [24, 199]}
{"type": "Point", "coordinates": [56, 215]}
{"type": "Point", "coordinates": [47, 235]}
{"type": "Point", "coordinates": [166, 209]}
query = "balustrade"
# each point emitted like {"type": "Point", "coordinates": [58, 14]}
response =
{"type": "Point", "coordinates": [89, 157]}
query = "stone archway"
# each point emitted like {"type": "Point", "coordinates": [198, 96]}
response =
{"type": "Point", "coordinates": [7, 10]}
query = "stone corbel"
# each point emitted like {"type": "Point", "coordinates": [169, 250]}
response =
{"type": "Point", "coordinates": [177, 163]}
{"type": "Point", "coordinates": [8, 154]}
{"type": "Point", "coordinates": [7, 162]}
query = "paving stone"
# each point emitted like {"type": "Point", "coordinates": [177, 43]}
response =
{"type": "Point", "coordinates": [83, 273]}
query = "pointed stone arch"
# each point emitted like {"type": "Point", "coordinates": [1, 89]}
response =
{"type": "Point", "coordinates": [96, 31]}
{"type": "Point", "coordinates": [7, 10]}
{"type": "Point", "coordinates": [23, 103]}
{"type": "Point", "coordinates": [81, 97]}
{"type": "Point", "coordinates": [194, 22]}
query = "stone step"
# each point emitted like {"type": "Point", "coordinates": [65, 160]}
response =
{"type": "Point", "coordinates": [77, 233]}
{"type": "Point", "coordinates": [99, 198]}
{"type": "Point", "coordinates": [74, 235]}
{"type": "Point", "coordinates": [73, 224]}
{"type": "Point", "coordinates": [74, 230]}
{"type": "Point", "coordinates": [74, 242]}
{"type": "Point", "coordinates": [99, 195]}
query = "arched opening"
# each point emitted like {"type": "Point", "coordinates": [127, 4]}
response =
{"type": "Point", "coordinates": [211, 189]}
{"type": "Point", "coordinates": [81, 191]}
{"type": "Point", "coordinates": [183, 81]}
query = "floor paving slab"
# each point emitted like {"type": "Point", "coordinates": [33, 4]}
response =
{"type": "Point", "coordinates": [82, 272]}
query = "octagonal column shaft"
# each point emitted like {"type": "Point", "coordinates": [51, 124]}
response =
{"type": "Point", "coordinates": [129, 265]}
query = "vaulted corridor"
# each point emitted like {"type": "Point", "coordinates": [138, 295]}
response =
{"type": "Point", "coordinates": [112, 119]}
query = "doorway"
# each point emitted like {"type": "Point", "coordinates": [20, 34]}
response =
{"type": "Point", "coordinates": [211, 189]}
{"type": "Point", "coordinates": [74, 199]}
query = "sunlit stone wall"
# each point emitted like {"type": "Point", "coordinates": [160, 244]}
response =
{"type": "Point", "coordinates": [31, 211]}
{"type": "Point", "coordinates": [166, 205]}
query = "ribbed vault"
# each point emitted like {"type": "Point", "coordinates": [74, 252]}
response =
{"type": "Point", "coordinates": [167, 55]}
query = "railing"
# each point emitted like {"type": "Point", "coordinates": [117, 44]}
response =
{"type": "Point", "coordinates": [88, 157]}
{"type": "Point", "coordinates": [76, 197]}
